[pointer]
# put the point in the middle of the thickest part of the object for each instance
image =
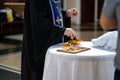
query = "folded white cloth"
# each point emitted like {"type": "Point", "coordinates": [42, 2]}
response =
{"type": "Point", "coordinates": [107, 41]}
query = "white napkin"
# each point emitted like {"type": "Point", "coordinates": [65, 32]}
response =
{"type": "Point", "coordinates": [107, 41]}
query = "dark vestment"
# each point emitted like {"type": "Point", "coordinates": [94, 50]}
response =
{"type": "Point", "coordinates": [117, 74]}
{"type": "Point", "coordinates": [39, 34]}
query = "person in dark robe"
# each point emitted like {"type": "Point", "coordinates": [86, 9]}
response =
{"type": "Point", "coordinates": [46, 24]}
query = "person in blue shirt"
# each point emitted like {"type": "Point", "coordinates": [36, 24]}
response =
{"type": "Point", "coordinates": [110, 20]}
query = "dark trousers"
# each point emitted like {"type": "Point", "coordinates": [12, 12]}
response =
{"type": "Point", "coordinates": [117, 74]}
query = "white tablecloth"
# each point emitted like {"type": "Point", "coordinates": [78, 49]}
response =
{"type": "Point", "coordinates": [94, 64]}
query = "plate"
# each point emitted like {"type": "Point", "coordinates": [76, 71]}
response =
{"type": "Point", "coordinates": [73, 51]}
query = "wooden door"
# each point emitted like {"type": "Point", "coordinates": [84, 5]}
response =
{"type": "Point", "coordinates": [87, 10]}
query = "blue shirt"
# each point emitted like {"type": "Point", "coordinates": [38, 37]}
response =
{"type": "Point", "coordinates": [111, 9]}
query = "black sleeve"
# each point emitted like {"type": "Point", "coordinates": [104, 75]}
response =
{"type": "Point", "coordinates": [66, 19]}
{"type": "Point", "coordinates": [66, 23]}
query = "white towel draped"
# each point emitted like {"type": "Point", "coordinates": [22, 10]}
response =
{"type": "Point", "coordinates": [106, 41]}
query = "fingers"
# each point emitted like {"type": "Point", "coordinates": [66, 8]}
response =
{"type": "Point", "coordinates": [72, 12]}
{"type": "Point", "coordinates": [70, 33]}
{"type": "Point", "coordinates": [75, 12]}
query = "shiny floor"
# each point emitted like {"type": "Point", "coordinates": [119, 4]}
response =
{"type": "Point", "coordinates": [12, 60]}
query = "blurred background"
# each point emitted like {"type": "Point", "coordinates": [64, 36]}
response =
{"type": "Point", "coordinates": [11, 30]}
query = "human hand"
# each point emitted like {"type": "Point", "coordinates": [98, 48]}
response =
{"type": "Point", "coordinates": [70, 33]}
{"type": "Point", "coordinates": [72, 12]}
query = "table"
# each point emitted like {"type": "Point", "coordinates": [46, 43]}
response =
{"type": "Point", "coordinates": [17, 7]}
{"type": "Point", "coordinates": [94, 64]}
